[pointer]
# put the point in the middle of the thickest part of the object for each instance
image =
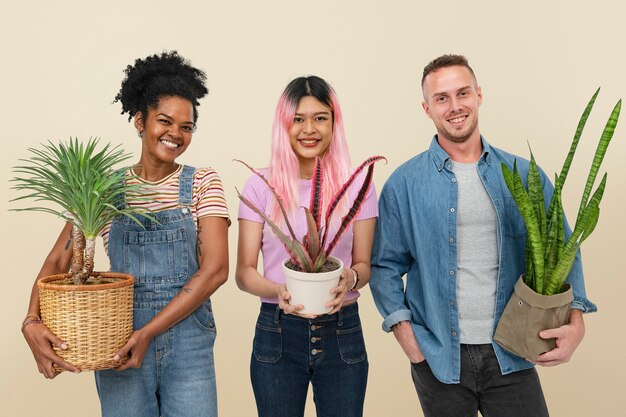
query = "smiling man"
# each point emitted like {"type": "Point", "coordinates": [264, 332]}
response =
{"type": "Point", "coordinates": [448, 221]}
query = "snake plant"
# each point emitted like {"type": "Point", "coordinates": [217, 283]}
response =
{"type": "Point", "coordinates": [310, 254]}
{"type": "Point", "coordinates": [549, 257]}
{"type": "Point", "coordinates": [86, 186]}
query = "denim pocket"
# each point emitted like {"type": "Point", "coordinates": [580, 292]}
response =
{"type": "Point", "coordinates": [268, 341]}
{"type": "Point", "coordinates": [203, 317]}
{"type": "Point", "coordinates": [157, 256]}
{"type": "Point", "coordinates": [351, 344]}
{"type": "Point", "coordinates": [514, 226]}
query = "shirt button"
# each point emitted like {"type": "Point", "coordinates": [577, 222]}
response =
{"type": "Point", "coordinates": [451, 303]}
{"type": "Point", "coordinates": [451, 272]}
{"type": "Point", "coordinates": [453, 334]}
{"type": "Point", "coordinates": [452, 210]}
{"type": "Point", "coordinates": [314, 352]}
{"type": "Point", "coordinates": [453, 179]}
{"type": "Point", "coordinates": [451, 240]}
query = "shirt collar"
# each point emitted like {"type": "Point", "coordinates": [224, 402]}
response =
{"type": "Point", "coordinates": [440, 157]}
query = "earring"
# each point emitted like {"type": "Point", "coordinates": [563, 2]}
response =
{"type": "Point", "coordinates": [139, 133]}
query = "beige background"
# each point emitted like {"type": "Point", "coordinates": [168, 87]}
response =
{"type": "Point", "coordinates": [538, 63]}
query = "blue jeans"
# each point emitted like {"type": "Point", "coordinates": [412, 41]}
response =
{"type": "Point", "coordinates": [482, 388]}
{"type": "Point", "coordinates": [289, 352]}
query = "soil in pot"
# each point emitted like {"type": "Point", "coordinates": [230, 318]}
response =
{"type": "Point", "coordinates": [329, 265]}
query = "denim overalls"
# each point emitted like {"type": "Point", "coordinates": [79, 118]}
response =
{"type": "Point", "coordinates": [177, 376]}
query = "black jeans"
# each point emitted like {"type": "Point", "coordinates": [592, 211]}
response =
{"type": "Point", "coordinates": [482, 388]}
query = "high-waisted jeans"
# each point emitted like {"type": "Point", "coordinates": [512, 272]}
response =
{"type": "Point", "coordinates": [289, 352]}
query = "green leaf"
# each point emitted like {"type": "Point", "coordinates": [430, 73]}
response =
{"type": "Point", "coordinates": [572, 150]}
{"type": "Point", "coordinates": [605, 139]}
{"type": "Point", "coordinates": [533, 233]}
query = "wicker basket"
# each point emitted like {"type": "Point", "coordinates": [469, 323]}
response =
{"type": "Point", "coordinates": [95, 319]}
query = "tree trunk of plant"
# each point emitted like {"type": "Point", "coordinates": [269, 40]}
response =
{"type": "Point", "coordinates": [90, 250]}
{"type": "Point", "coordinates": [78, 248]}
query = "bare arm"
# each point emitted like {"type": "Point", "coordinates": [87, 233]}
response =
{"type": "Point", "coordinates": [39, 338]}
{"type": "Point", "coordinates": [406, 338]}
{"type": "Point", "coordinates": [248, 247]}
{"type": "Point", "coordinates": [213, 272]}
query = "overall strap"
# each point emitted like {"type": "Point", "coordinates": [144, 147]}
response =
{"type": "Point", "coordinates": [185, 187]}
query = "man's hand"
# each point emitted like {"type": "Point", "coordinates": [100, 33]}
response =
{"type": "Point", "coordinates": [568, 337]}
{"type": "Point", "coordinates": [406, 338]}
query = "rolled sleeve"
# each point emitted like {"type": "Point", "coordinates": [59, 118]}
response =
{"type": "Point", "coordinates": [395, 318]}
{"type": "Point", "coordinates": [583, 304]}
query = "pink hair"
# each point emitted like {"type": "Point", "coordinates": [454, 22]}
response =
{"type": "Point", "coordinates": [284, 170]}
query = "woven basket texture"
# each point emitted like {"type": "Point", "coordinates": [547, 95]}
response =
{"type": "Point", "coordinates": [95, 320]}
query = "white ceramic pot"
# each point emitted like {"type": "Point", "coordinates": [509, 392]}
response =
{"type": "Point", "coordinates": [312, 290]}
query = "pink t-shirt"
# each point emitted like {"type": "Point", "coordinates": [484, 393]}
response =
{"type": "Point", "coordinates": [274, 252]}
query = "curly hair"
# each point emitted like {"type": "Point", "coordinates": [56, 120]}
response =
{"type": "Point", "coordinates": [156, 76]}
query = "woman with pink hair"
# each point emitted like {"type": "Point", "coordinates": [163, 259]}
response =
{"type": "Point", "coordinates": [291, 350]}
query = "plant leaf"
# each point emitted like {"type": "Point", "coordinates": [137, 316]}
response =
{"type": "Point", "coordinates": [313, 237]}
{"type": "Point", "coordinates": [524, 205]}
{"type": "Point", "coordinates": [278, 198]}
{"type": "Point", "coordinates": [342, 191]}
{"type": "Point", "coordinates": [603, 145]}
{"type": "Point", "coordinates": [315, 203]}
{"type": "Point", "coordinates": [572, 150]}
{"type": "Point", "coordinates": [356, 206]}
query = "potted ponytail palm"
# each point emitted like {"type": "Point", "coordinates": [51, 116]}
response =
{"type": "Point", "coordinates": [541, 298]}
{"type": "Point", "coordinates": [310, 271]}
{"type": "Point", "coordinates": [92, 311]}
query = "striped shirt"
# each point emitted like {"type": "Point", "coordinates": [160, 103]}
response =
{"type": "Point", "coordinates": [207, 196]}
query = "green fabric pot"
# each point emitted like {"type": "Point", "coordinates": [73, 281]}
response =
{"type": "Point", "coordinates": [526, 314]}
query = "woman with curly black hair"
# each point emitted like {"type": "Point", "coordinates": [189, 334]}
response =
{"type": "Point", "coordinates": [179, 258]}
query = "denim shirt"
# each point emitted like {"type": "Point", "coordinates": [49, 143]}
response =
{"type": "Point", "coordinates": [416, 235]}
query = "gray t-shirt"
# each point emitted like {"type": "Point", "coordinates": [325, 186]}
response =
{"type": "Point", "coordinates": [477, 244]}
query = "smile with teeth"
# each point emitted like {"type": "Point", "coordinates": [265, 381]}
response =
{"type": "Point", "coordinates": [169, 144]}
{"type": "Point", "coordinates": [308, 141]}
{"type": "Point", "coordinates": [459, 119]}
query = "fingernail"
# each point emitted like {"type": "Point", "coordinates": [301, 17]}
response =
{"type": "Point", "coordinates": [116, 358]}
{"type": "Point", "coordinates": [77, 371]}
{"type": "Point", "coordinates": [63, 345]}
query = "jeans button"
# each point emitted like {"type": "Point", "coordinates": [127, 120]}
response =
{"type": "Point", "coordinates": [314, 352]}
{"type": "Point", "coordinates": [313, 339]}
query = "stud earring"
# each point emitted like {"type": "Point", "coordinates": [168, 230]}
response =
{"type": "Point", "coordinates": [140, 133]}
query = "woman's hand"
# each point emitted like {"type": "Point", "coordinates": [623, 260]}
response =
{"type": "Point", "coordinates": [136, 346]}
{"type": "Point", "coordinates": [283, 302]}
{"type": "Point", "coordinates": [40, 340]}
{"type": "Point", "coordinates": [346, 281]}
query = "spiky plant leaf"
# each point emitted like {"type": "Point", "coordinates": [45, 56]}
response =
{"type": "Point", "coordinates": [572, 150]}
{"type": "Point", "coordinates": [278, 198]}
{"type": "Point", "coordinates": [524, 205]}
{"type": "Point", "coordinates": [605, 139]}
{"type": "Point", "coordinates": [334, 203]}
{"type": "Point", "coordinates": [316, 202]}
{"type": "Point", "coordinates": [535, 193]}
{"type": "Point", "coordinates": [312, 237]}
{"type": "Point", "coordinates": [354, 210]}
{"type": "Point", "coordinates": [81, 181]}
